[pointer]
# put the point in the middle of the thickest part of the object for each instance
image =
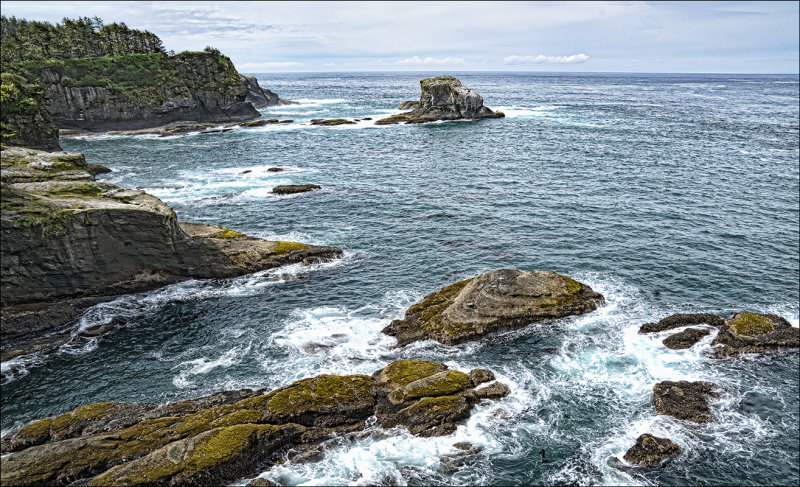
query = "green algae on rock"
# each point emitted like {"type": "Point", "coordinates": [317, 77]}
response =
{"type": "Point", "coordinates": [497, 300]}
{"type": "Point", "coordinates": [225, 436]}
{"type": "Point", "coordinates": [755, 333]}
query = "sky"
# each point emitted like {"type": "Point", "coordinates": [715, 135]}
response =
{"type": "Point", "coordinates": [649, 37]}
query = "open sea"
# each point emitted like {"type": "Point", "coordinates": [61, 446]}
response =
{"type": "Point", "coordinates": [666, 193]}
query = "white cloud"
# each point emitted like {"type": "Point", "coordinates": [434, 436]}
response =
{"type": "Point", "coordinates": [254, 67]}
{"type": "Point", "coordinates": [541, 58]}
{"type": "Point", "coordinates": [432, 60]}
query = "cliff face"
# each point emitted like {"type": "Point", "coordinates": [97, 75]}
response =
{"type": "Point", "coordinates": [145, 90]}
{"type": "Point", "coordinates": [66, 236]}
{"type": "Point", "coordinates": [25, 120]}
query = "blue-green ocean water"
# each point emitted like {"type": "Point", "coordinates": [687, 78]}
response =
{"type": "Point", "coordinates": [666, 193]}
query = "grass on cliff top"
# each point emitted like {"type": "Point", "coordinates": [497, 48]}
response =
{"type": "Point", "coordinates": [751, 324]}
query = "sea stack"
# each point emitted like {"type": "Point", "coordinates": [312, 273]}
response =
{"type": "Point", "coordinates": [443, 98]}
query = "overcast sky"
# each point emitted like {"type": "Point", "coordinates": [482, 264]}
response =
{"type": "Point", "coordinates": [672, 37]}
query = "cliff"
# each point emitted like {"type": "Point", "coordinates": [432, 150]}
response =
{"type": "Point", "coordinates": [25, 120]}
{"type": "Point", "coordinates": [68, 240]}
{"type": "Point", "coordinates": [144, 90]}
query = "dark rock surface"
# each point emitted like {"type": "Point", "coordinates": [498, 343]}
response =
{"type": "Point", "coordinates": [497, 300]}
{"type": "Point", "coordinates": [294, 188]}
{"type": "Point", "coordinates": [651, 451]}
{"type": "Point", "coordinates": [219, 438]}
{"type": "Point", "coordinates": [68, 240]}
{"type": "Point", "coordinates": [682, 319]}
{"type": "Point", "coordinates": [443, 98]}
{"type": "Point", "coordinates": [754, 333]}
{"type": "Point", "coordinates": [331, 121]}
{"type": "Point", "coordinates": [686, 338]}
{"type": "Point", "coordinates": [684, 400]}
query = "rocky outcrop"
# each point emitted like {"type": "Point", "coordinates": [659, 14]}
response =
{"type": "Point", "coordinates": [651, 451]}
{"type": "Point", "coordinates": [331, 121]}
{"type": "Point", "coordinates": [68, 239]}
{"type": "Point", "coordinates": [294, 188]}
{"type": "Point", "coordinates": [443, 98]}
{"type": "Point", "coordinates": [680, 320]}
{"type": "Point", "coordinates": [408, 105]}
{"type": "Point", "coordinates": [497, 300]}
{"type": "Point", "coordinates": [754, 333]}
{"type": "Point", "coordinates": [684, 400]}
{"type": "Point", "coordinates": [147, 90]}
{"type": "Point", "coordinates": [219, 438]}
{"type": "Point", "coordinates": [25, 120]}
{"type": "Point", "coordinates": [686, 338]}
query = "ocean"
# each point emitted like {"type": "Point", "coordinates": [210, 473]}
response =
{"type": "Point", "coordinates": [664, 192]}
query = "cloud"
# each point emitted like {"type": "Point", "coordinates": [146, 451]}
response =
{"type": "Point", "coordinates": [254, 67]}
{"type": "Point", "coordinates": [541, 58]}
{"type": "Point", "coordinates": [432, 60]}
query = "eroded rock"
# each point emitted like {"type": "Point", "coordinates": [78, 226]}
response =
{"type": "Point", "coordinates": [497, 300]}
{"type": "Point", "coordinates": [754, 333]}
{"type": "Point", "coordinates": [219, 438]}
{"type": "Point", "coordinates": [680, 320]}
{"type": "Point", "coordinates": [686, 338]}
{"type": "Point", "coordinates": [651, 451]}
{"type": "Point", "coordinates": [442, 98]}
{"type": "Point", "coordinates": [684, 400]}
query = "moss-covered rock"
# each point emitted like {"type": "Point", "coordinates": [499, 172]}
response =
{"type": "Point", "coordinates": [440, 384]}
{"type": "Point", "coordinates": [402, 372]}
{"type": "Point", "coordinates": [493, 301]}
{"type": "Point", "coordinates": [24, 119]}
{"type": "Point", "coordinates": [755, 333]}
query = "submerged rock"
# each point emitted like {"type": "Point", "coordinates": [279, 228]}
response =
{"type": "Point", "coordinates": [651, 451]}
{"type": "Point", "coordinates": [682, 319]}
{"type": "Point", "coordinates": [294, 188]}
{"type": "Point", "coordinates": [69, 240]}
{"type": "Point", "coordinates": [217, 439]}
{"type": "Point", "coordinates": [754, 333]}
{"type": "Point", "coordinates": [443, 98]}
{"type": "Point", "coordinates": [331, 121]}
{"type": "Point", "coordinates": [684, 400]}
{"type": "Point", "coordinates": [686, 338]}
{"type": "Point", "coordinates": [497, 300]}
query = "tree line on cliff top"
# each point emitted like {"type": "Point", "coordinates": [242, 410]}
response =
{"type": "Point", "coordinates": [31, 40]}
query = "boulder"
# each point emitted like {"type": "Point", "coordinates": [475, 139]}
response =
{"type": "Point", "coordinates": [497, 300]}
{"type": "Point", "coordinates": [331, 121]}
{"type": "Point", "coordinates": [651, 451]}
{"type": "Point", "coordinates": [682, 319]}
{"type": "Point", "coordinates": [294, 188]}
{"type": "Point", "coordinates": [217, 439]}
{"type": "Point", "coordinates": [686, 338]}
{"type": "Point", "coordinates": [684, 400]}
{"type": "Point", "coordinates": [755, 333]}
{"type": "Point", "coordinates": [443, 98]}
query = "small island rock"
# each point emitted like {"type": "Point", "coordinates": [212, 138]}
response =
{"type": "Point", "coordinates": [650, 451]}
{"type": "Point", "coordinates": [497, 300]}
{"type": "Point", "coordinates": [294, 188]}
{"type": "Point", "coordinates": [443, 98]}
{"type": "Point", "coordinates": [684, 400]}
{"type": "Point", "coordinates": [753, 333]}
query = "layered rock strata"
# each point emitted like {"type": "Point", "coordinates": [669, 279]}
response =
{"type": "Point", "coordinates": [69, 240]}
{"type": "Point", "coordinates": [220, 438]}
{"type": "Point", "coordinates": [497, 300]}
{"type": "Point", "coordinates": [443, 98]}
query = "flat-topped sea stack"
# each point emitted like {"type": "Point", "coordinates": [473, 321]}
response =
{"type": "Point", "coordinates": [69, 240]}
{"type": "Point", "coordinates": [217, 439]}
{"type": "Point", "coordinates": [497, 300]}
{"type": "Point", "coordinates": [443, 98]}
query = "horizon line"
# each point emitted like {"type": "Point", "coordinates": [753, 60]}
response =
{"type": "Point", "coordinates": [527, 72]}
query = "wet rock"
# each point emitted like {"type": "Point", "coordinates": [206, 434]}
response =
{"type": "Point", "coordinates": [495, 390]}
{"type": "Point", "coordinates": [443, 98]}
{"type": "Point", "coordinates": [294, 188]}
{"type": "Point", "coordinates": [331, 121]}
{"type": "Point", "coordinates": [463, 445]}
{"type": "Point", "coordinates": [684, 400]}
{"type": "Point", "coordinates": [497, 300]}
{"type": "Point", "coordinates": [261, 482]}
{"type": "Point", "coordinates": [479, 376]}
{"type": "Point", "coordinates": [218, 438]}
{"type": "Point", "coordinates": [651, 451]}
{"type": "Point", "coordinates": [755, 333]}
{"type": "Point", "coordinates": [686, 338]}
{"type": "Point", "coordinates": [246, 171]}
{"type": "Point", "coordinates": [682, 319]}
{"type": "Point", "coordinates": [259, 123]}
{"type": "Point", "coordinates": [275, 169]}
{"type": "Point", "coordinates": [95, 169]}
{"type": "Point", "coordinates": [455, 461]}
